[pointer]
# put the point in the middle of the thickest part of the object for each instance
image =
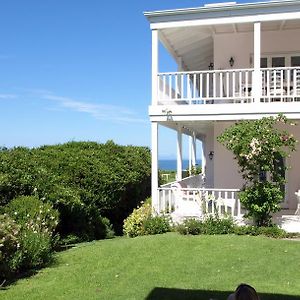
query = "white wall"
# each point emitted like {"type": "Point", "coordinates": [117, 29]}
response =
{"type": "Point", "coordinates": [225, 167]}
{"type": "Point", "coordinates": [240, 46]}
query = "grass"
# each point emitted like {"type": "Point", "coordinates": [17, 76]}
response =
{"type": "Point", "coordinates": [167, 267]}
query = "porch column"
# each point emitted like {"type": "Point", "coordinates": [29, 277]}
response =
{"type": "Point", "coordinates": [154, 167]}
{"type": "Point", "coordinates": [179, 154]}
{"type": "Point", "coordinates": [194, 158]}
{"type": "Point", "coordinates": [257, 85]}
{"type": "Point", "coordinates": [154, 66]}
{"type": "Point", "coordinates": [203, 156]}
{"type": "Point", "coordinates": [179, 69]}
{"type": "Point", "coordinates": [190, 152]}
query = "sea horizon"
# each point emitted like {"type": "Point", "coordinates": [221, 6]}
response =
{"type": "Point", "coordinates": [170, 164]}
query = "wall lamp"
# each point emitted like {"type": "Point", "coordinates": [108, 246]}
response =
{"type": "Point", "coordinates": [231, 61]}
{"type": "Point", "coordinates": [211, 66]}
{"type": "Point", "coordinates": [211, 155]}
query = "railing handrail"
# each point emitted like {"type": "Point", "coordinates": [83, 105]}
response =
{"type": "Point", "coordinates": [225, 70]}
{"type": "Point", "coordinates": [205, 71]}
{"type": "Point", "coordinates": [199, 189]}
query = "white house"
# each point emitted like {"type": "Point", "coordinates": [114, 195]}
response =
{"type": "Point", "coordinates": [235, 61]}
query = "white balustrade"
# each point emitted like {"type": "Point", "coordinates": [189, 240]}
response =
{"type": "Point", "coordinates": [228, 86]}
{"type": "Point", "coordinates": [209, 201]}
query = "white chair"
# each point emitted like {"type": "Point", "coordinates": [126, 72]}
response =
{"type": "Point", "coordinates": [186, 204]}
{"type": "Point", "coordinates": [277, 90]}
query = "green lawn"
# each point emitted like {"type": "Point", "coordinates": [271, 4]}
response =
{"type": "Point", "coordinates": [167, 266]}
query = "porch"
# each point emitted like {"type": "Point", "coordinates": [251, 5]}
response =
{"type": "Point", "coordinates": [182, 199]}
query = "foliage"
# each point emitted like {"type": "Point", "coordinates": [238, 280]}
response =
{"type": "Point", "coordinates": [142, 222]}
{"type": "Point", "coordinates": [36, 223]}
{"type": "Point", "coordinates": [210, 225]}
{"type": "Point", "coordinates": [134, 224]}
{"type": "Point", "coordinates": [195, 170]}
{"type": "Point", "coordinates": [190, 226]}
{"type": "Point", "coordinates": [30, 212]}
{"type": "Point", "coordinates": [9, 244]}
{"type": "Point", "coordinates": [156, 225]}
{"type": "Point", "coordinates": [259, 146]}
{"type": "Point", "coordinates": [261, 199]}
{"type": "Point", "coordinates": [81, 179]}
{"type": "Point", "coordinates": [269, 231]}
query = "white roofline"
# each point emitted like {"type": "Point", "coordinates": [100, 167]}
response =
{"type": "Point", "coordinates": [236, 6]}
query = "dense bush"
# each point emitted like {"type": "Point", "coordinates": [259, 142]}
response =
{"type": "Point", "coordinates": [134, 224]}
{"type": "Point", "coordinates": [142, 222]}
{"type": "Point", "coordinates": [9, 244]}
{"type": "Point", "coordinates": [83, 180]}
{"type": "Point", "coordinates": [270, 231]}
{"type": "Point", "coordinates": [210, 225]}
{"type": "Point", "coordinates": [30, 212]}
{"type": "Point", "coordinates": [156, 225]}
{"type": "Point", "coordinates": [31, 232]}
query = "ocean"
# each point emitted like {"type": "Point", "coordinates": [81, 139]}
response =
{"type": "Point", "coordinates": [170, 164]}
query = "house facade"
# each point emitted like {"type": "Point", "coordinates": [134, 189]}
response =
{"type": "Point", "coordinates": [235, 61]}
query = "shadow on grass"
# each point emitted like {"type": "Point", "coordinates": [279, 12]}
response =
{"type": "Point", "coordinates": [180, 294]}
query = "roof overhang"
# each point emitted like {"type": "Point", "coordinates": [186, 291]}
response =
{"type": "Point", "coordinates": [236, 13]}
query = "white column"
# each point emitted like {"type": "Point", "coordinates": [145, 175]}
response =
{"type": "Point", "coordinates": [154, 66]}
{"type": "Point", "coordinates": [154, 166]}
{"type": "Point", "coordinates": [190, 152]}
{"type": "Point", "coordinates": [203, 156]}
{"type": "Point", "coordinates": [179, 69]}
{"type": "Point", "coordinates": [257, 85]}
{"type": "Point", "coordinates": [194, 157]}
{"type": "Point", "coordinates": [179, 154]}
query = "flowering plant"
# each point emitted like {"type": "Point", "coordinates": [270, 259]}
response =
{"type": "Point", "coordinates": [260, 146]}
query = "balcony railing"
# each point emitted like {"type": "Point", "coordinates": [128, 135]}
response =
{"type": "Point", "coordinates": [228, 86]}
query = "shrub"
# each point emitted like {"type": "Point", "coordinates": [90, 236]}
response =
{"type": "Point", "coordinates": [134, 224]}
{"type": "Point", "coordinates": [9, 244]}
{"type": "Point", "coordinates": [190, 226]}
{"type": "Point", "coordinates": [37, 222]}
{"type": "Point", "coordinates": [31, 213]}
{"type": "Point", "coordinates": [216, 225]}
{"type": "Point", "coordinates": [35, 250]}
{"type": "Point", "coordinates": [261, 199]}
{"type": "Point", "coordinates": [156, 225]}
{"type": "Point", "coordinates": [259, 146]}
{"type": "Point", "coordinates": [210, 225]}
{"type": "Point", "coordinates": [77, 178]}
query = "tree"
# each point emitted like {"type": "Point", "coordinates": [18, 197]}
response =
{"type": "Point", "coordinates": [259, 146]}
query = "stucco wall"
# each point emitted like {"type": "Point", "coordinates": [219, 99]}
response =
{"type": "Point", "coordinates": [240, 46]}
{"type": "Point", "coordinates": [226, 170]}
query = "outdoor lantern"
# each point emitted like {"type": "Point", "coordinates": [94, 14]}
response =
{"type": "Point", "coordinates": [211, 66]}
{"type": "Point", "coordinates": [211, 155]}
{"type": "Point", "coordinates": [231, 61]}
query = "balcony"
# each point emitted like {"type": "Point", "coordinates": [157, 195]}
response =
{"type": "Point", "coordinates": [235, 86]}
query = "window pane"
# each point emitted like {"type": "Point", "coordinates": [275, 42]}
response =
{"type": "Point", "coordinates": [263, 62]}
{"type": "Point", "coordinates": [278, 62]}
{"type": "Point", "coordinates": [295, 61]}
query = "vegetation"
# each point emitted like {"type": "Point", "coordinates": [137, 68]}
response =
{"type": "Point", "coordinates": [26, 235]}
{"type": "Point", "coordinates": [84, 181]}
{"type": "Point", "coordinates": [214, 225]}
{"type": "Point", "coordinates": [259, 146]}
{"type": "Point", "coordinates": [165, 267]}
{"type": "Point", "coordinates": [142, 222]}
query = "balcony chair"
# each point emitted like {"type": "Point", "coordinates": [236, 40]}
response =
{"type": "Point", "coordinates": [277, 91]}
{"type": "Point", "coordinates": [295, 91]}
{"type": "Point", "coordinates": [186, 204]}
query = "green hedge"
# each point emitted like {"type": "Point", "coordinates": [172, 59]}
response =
{"type": "Point", "coordinates": [83, 180]}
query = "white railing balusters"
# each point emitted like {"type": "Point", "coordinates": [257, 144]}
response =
{"type": "Point", "coordinates": [227, 86]}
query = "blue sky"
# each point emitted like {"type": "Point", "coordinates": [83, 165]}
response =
{"type": "Point", "coordinates": [78, 70]}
